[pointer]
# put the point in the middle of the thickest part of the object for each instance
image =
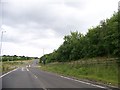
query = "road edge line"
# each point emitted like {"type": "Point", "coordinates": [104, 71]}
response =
{"type": "Point", "coordinates": [8, 73]}
{"type": "Point", "coordinates": [83, 82]}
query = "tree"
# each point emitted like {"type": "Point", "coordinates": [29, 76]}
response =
{"type": "Point", "coordinates": [102, 40]}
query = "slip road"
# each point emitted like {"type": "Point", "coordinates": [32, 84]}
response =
{"type": "Point", "coordinates": [32, 77]}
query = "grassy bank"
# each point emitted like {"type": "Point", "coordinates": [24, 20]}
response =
{"type": "Point", "coordinates": [104, 70]}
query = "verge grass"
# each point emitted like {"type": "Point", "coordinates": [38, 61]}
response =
{"type": "Point", "coordinates": [103, 70]}
{"type": "Point", "coordinates": [10, 65]}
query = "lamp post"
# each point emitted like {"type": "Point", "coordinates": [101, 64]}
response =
{"type": "Point", "coordinates": [1, 45]}
{"type": "Point", "coordinates": [44, 57]}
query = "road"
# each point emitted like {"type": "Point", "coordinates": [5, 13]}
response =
{"type": "Point", "coordinates": [32, 77]}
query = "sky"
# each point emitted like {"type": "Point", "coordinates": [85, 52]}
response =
{"type": "Point", "coordinates": [37, 27]}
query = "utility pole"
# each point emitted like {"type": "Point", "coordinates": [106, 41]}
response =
{"type": "Point", "coordinates": [44, 58]}
{"type": "Point", "coordinates": [43, 51]}
{"type": "Point", "coordinates": [1, 45]}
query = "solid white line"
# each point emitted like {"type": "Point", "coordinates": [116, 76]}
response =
{"type": "Point", "coordinates": [8, 72]}
{"type": "Point", "coordinates": [83, 82]}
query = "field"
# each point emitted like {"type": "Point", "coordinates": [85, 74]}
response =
{"type": "Point", "coordinates": [10, 65]}
{"type": "Point", "coordinates": [100, 70]}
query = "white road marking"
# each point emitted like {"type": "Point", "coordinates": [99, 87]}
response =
{"type": "Point", "coordinates": [35, 76]}
{"type": "Point", "coordinates": [43, 87]}
{"type": "Point", "coordinates": [8, 73]}
{"type": "Point", "coordinates": [83, 82]}
{"type": "Point", "coordinates": [22, 69]}
{"type": "Point", "coordinates": [27, 69]}
{"type": "Point", "coordinates": [38, 66]}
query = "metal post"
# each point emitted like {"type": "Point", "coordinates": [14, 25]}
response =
{"type": "Point", "coordinates": [44, 59]}
{"type": "Point", "coordinates": [1, 46]}
{"type": "Point", "coordinates": [43, 51]}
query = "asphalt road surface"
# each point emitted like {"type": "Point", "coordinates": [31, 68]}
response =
{"type": "Point", "coordinates": [32, 77]}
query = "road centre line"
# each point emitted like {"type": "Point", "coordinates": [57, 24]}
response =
{"type": "Point", "coordinates": [60, 76]}
{"type": "Point", "coordinates": [35, 76]}
{"type": "Point", "coordinates": [27, 69]}
{"type": "Point", "coordinates": [8, 73]}
{"type": "Point", "coordinates": [43, 87]}
{"type": "Point", "coordinates": [83, 82]}
{"type": "Point", "coordinates": [22, 69]}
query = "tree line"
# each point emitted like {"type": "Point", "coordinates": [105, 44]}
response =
{"type": "Point", "coordinates": [99, 41]}
{"type": "Point", "coordinates": [15, 58]}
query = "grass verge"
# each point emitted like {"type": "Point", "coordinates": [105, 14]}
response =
{"type": "Point", "coordinates": [103, 70]}
{"type": "Point", "coordinates": [10, 65]}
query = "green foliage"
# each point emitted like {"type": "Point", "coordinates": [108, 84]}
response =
{"type": "Point", "coordinates": [14, 58]}
{"type": "Point", "coordinates": [106, 71]}
{"type": "Point", "coordinates": [10, 65]}
{"type": "Point", "coordinates": [102, 40]}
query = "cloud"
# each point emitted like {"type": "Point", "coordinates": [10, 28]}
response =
{"type": "Point", "coordinates": [46, 15]}
{"type": "Point", "coordinates": [35, 24]}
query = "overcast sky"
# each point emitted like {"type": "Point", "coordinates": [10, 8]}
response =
{"type": "Point", "coordinates": [32, 25]}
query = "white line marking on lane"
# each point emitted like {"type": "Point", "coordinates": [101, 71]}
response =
{"type": "Point", "coordinates": [22, 69]}
{"type": "Point", "coordinates": [83, 82]}
{"type": "Point", "coordinates": [42, 85]}
{"type": "Point", "coordinates": [27, 69]}
{"type": "Point", "coordinates": [8, 73]}
{"type": "Point", "coordinates": [35, 76]}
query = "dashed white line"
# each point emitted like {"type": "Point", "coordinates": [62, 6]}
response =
{"type": "Point", "coordinates": [35, 76]}
{"type": "Point", "coordinates": [27, 69]}
{"type": "Point", "coordinates": [22, 69]}
{"type": "Point", "coordinates": [8, 73]}
{"type": "Point", "coordinates": [83, 82]}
